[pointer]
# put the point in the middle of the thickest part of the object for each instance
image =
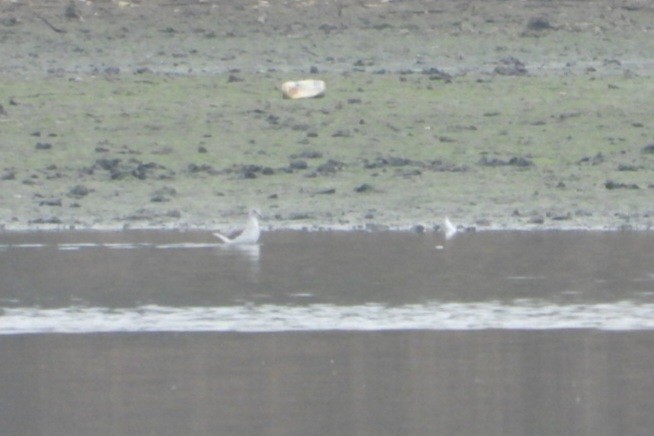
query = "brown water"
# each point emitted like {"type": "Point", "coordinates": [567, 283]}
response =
{"type": "Point", "coordinates": [327, 333]}
{"type": "Point", "coordinates": [185, 281]}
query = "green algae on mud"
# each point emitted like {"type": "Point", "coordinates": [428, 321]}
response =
{"type": "Point", "coordinates": [487, 150]}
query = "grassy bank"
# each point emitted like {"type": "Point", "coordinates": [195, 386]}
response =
{"type": "Point", "coordinates": [391, 149]}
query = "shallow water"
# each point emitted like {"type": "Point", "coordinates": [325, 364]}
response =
{"type": "Point", "coordinates": [327, 333]}
{"type": "Point", "coordinates": [185, 281]}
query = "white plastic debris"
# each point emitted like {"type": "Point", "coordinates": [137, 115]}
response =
{"type": "Point", "coordinates": [303, 89]}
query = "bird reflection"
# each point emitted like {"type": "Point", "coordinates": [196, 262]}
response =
{"type": "Point", "coordinates": [247, 254]}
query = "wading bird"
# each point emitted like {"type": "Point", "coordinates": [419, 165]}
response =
{"type": "Point", "coordinates": [247, 235]}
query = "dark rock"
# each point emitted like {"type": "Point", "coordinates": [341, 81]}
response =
{"type": "Point", "coordinates": [342, 134]}
{"type": "Point", "coordinates": [298, 164]}
{"type": "Point", "coordinates": [309, 154]}
{"type": "Point", "coordinates": [439, 165]}
{"type": "Point", "coordinates": [9, 21]}
{"type": "Point", "coordinates": [510, 66]}
{"type": "Point", "coordinates": [43, 146]}
{"type": "Point", "coordinates": [142, 170]}
{"type": "Point", "coordinates": [516, 161]}
{"type": "Point", "coordinates": [56, 202]}
{"type": "Point", "coordinates": [267, 171]}
{"type": "Point", "coordinates": [520, 162]}
{"type": "Point", "coordinates": [330, 167]}
{"type": "Point", "coordinates": [363, 188]}
{"type": "Point", "coordinates": [45, 220]}
{"type": "Point", "coordinates": [554, 216]}
{"type": "Point", "coordinates": [107, 164]}
{"type": "Point", "coordinates": [419, 228]}
{"type": "Point", "coordinates": [313, 70]}
{"type": "Point", "coordinates": [299, 216]}
{"type": "Point", "coordinates": [410, 173]}
{"type": "Point", "coordinates": [250, 171]}
{"type": "Point", "coordinates": [539, 23]}
{"type": "Point", "coordinates": [364, 63]}
{"type": "Point", "coordinates": [203, 168]}
{"type": "Point", "coordinates": [79, 191]}
{"type": "Point", "coordinates": [232, 78]}
{"type": "Point", "coordinates": [163, 194]}
{"type": "Point", "coordinates": [328, 28]}
{"type": "Point", "coordinates": [610, 184]}
{"type": "Point", "coordinates": [595, 160]}
{"type": "Point", "coordinates": [386, 161]}
{"type": "Point", "coordinates": [436, 74]}
{"type": "Point", "coordinates": [300, 127]}
{"type": "Point", "coordinates": [608, 62]}
{"type": "Point", "coordinates": [141, 214]}
{"type": "Point", "coordinates": [72, 12]}
{"type": "Point", "coordinates": [8, 175]}
{"type": "Point", "coordinates": [648, 149]}
{"type": "Point", "coordinates": [119, 169]}
{"type": "Point", "coordinates": [202, 149]}
{"type": "Point", "coordinates": [536, 219]}
{"type": "Point", "coordinates": [273, 119]}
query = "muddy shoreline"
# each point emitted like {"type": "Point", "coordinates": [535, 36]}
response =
{"type": "Point", "coordinates": [167, 115]}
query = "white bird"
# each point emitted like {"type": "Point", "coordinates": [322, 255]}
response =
{"type": "Point", "coordinates": [450, 229]}
{"type": "Point", "coordinates": [246, 236]}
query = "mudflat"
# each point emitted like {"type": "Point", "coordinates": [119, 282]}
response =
{"type": "Point", "coordinates": [169, 114]}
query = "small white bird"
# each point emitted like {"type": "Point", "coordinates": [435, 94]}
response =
{"type": "Point", "coordinates": [247, 235]}
{"type": "Point", "coordinates": [450, 229]}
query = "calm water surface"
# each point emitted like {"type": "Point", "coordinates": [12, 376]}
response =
{"type": "Point", "coordinates": [168, 333]}
{"type": "Point", "coordinates": [76, 282]}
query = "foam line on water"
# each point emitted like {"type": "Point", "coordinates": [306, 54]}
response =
{"type": "Point", "coordinates": [114, 246]}
{"type": "Point", "coordinates": [524, 314]}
